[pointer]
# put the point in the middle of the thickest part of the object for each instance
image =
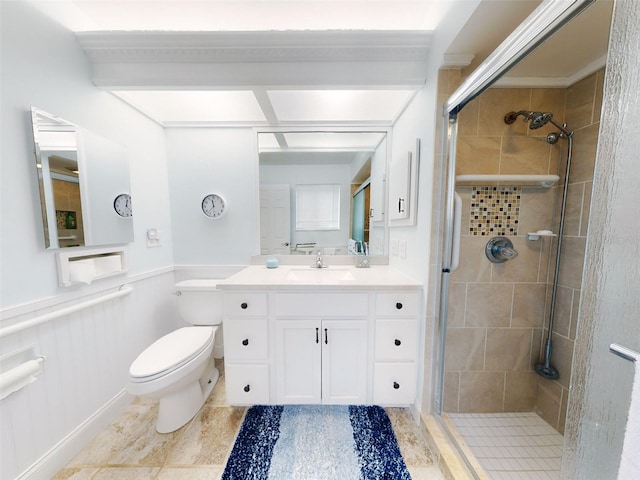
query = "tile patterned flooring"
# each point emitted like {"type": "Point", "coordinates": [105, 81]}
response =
{"type": "Point", "coordinates": [511, 446]}
{"type": "Point", "coordinates": [131, 449]}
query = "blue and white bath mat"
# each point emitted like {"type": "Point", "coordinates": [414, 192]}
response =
{"type": "Point", "coordinates": [316, 443]}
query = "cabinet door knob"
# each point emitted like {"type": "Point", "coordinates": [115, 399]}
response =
{"type": "Point", "coordinates": [326, 339]}
{"type": "Point", "coordinates": [245, 342]}
{"type": "Point", "coordinates": [397, 342]}
{"type": "Point", "coordinates": [396, 385]}
{"type": "Point", "coordinates": [317, 339]}
{"type": "Point", "coordinates": [244, 305]}
{"type": "Point", "coordinates": [399, 305]}
{"type": "Point", "coordinates": [247, 388]}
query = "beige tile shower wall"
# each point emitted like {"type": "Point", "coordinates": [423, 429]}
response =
{"type": "Point", "coordinates": [497, 311]}
{"type": "Point", "coordinates": [582, 115]}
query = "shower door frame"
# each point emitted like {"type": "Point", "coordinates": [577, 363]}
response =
{"type": "Point", "coordinates": [543, 22]}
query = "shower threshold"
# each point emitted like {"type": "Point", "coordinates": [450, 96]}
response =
{"type": "Point", "coordinates": [508, 446]}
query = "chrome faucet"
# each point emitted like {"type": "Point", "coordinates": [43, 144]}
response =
{"type": "Point", "coordinates": [319, 263]}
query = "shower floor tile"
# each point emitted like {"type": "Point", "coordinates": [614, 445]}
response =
{"type": "Point", "coordinates": [511, 446]}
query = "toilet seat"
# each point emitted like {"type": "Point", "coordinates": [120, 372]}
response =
{"type": "Point", "coordinates": [171, 352]}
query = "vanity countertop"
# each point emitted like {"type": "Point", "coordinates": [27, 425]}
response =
{"type": "Point", "coordinates": [299, 277]}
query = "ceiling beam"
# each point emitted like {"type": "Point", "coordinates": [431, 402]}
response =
{"type": "Point", "coordinates": [242, 60]}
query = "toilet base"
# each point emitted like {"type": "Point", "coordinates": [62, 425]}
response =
{"type": "Point", "coordinates": [177, 408]}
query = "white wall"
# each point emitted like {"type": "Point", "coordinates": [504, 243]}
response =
{"type": "Point", "coordinates": [213, 160]}
{"type": "Point", "coordinates": [43, 66]}
{"type": "Point", "coordinates": [87, 353]}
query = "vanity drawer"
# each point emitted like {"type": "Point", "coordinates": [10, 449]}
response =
{"type": "Point", "coordinates": [397, 304]}
{"type": "Point", "coordinates": [394, 383]}
{"type": "Point", "coordinates": [322, 304]}
{"type": "Point", "coordinates": [245, 304]}
{"type": "Point", "coordinates": [396, 340]}
{"type": "Point", "coordinates": [245, 339]}
{"type": "Point", "coordinates": [247, 384]}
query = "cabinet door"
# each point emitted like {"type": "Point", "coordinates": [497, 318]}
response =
{"type": "Point", "coordinates": [344, 361]}
{"type": "Point", "coordinates": [298, 364]}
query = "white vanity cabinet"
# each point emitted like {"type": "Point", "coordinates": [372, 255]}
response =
{"type": "Point", "coordinates": [290, 342]}
{"type": "Point", "coordinates": [396, 347]}
{"type": "Point", "coordinates": [321, 348]}
{"type": "Point", "coordinates": [245, 332]}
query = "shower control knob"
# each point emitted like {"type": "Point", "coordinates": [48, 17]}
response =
{"type": "Point", "coordinates": [247, 388]}
{"type": "Point", "coordinates": [396, 385]}
{"type": "Point", "coordinates": [244, 305]}
{"type": "Point", "coordinates": [245, 342]}
{"type": "Point", "coordinates": [399, 306]}
{"type": "Point", "coordinates": [397, 342]}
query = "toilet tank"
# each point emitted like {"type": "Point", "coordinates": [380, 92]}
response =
{"type": "Point", "coordinates": [200, 301]}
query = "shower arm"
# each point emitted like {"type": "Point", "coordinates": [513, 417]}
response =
{"type": "Point", "coordinates": [563, 128]}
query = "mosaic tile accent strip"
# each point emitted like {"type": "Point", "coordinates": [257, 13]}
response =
{"type": "Point", "coordinates": [494, 210]}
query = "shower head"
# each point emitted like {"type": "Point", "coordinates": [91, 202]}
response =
{"type": "Point", "coordinates": [537, 119]}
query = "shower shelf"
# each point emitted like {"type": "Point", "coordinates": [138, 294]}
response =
{"type": "Point", "coordinates": [540, 233]}
{"type": "Point", "coordinates": [545, 181]}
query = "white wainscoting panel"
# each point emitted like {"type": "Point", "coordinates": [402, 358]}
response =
{"type": "Point", "coordinates": [88, 354]}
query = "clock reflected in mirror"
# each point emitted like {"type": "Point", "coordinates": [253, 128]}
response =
{"type": "Point", "coordinates": [122, 205]}
{"type": "Point", "coordinates": [213, 205]}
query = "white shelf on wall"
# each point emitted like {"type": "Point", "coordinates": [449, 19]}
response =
{"type": "Point", "coordinates": [88, 265]}
{"type": "Point", "coordinates": [545, 181]}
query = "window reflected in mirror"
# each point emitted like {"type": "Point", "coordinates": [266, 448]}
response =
{"type": "Point", "coordinates": [310, 184]}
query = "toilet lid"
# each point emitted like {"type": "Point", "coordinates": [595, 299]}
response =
{"type": "Point", "coordinates": [172, 351]}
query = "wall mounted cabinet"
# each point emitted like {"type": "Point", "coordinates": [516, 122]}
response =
{"type": "Point", "coordinates": [403, 188]}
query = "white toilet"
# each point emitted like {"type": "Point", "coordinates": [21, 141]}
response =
{"type": "Point", "coordinates": [178, 369]}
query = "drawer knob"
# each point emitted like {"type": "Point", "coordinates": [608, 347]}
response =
{"type": "Point", "coordinates": [244, 305]}
{"type": "Point", "coordinates": [247, 388]}
{"type": "Point", "coordinates": [245, 342]}
{"type": "Point", "coordinates": [396, 385]}
{"type": "Point", "coordinates": [397, 342]}
{"type": "Point", "coordinates": [399, 305]}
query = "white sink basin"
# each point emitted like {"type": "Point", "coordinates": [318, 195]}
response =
{"type": "Point", "coordinates": [319, 275]}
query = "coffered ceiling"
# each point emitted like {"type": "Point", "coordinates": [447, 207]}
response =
{"type": "Point", "coordinates": [268, 62]}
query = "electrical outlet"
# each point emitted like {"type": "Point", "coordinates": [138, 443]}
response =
{"type": "Point", "coordinates": [394, 247]}
{"type": "Point", "coordinates": [402, 248]}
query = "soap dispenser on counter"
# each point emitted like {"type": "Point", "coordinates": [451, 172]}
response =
{"type": "Point", "coordinates": [362, 255]}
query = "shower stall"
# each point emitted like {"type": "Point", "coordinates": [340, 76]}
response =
{"type": "Point", "coordinates": [507, 328]}
{"type": "Point", "coordinates": [511, 325]}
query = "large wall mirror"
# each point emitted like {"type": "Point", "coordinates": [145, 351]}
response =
{"type": "Point", "coordinates": [322, 191]}
{"type": "Point", "coordinates": [84, 185]}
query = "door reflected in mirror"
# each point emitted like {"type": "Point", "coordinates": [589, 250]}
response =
{"type": "Point", "coordinates": [349, 165]}
{"type": "Point", "coordinates": [80, 174]}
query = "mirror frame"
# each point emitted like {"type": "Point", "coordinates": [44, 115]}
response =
{"type": "Point", "coordinates": [387, 130]}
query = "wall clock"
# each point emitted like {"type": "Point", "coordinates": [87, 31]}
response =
{"type": "Point", "coordinates": [213, 205]}
{"type": "Point", "coordinates": [122, 205]}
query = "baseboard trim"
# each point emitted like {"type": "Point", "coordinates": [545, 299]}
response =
{"type": "Point", "coordinates": [63, 452]}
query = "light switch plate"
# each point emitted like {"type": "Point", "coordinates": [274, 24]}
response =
{"type": "Point", "coordinates": [394, 247]}
{"type": "Point", "coordinates": [402, 248]}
